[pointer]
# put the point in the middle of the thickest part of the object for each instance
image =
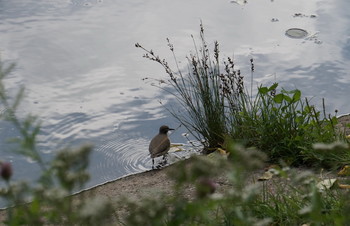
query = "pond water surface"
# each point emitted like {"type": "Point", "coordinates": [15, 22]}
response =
{"type": "Point", "coordinates": [83, 74]}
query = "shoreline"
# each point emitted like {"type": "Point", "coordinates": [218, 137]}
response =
{"type": "Point", "coordinates": [343, 121]}
{"type": "Point", "coordinates": [151, 183]}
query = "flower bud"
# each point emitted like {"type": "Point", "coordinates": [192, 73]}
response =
{"type": "Point", "coordinates": [6, 170]}
{"type": "Point", "coordinates": [205, 187]}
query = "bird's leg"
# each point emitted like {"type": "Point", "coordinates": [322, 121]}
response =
{"type": "Point", "coordinates": [165, 159]}
{"type": "Point", "coordinates": [152, 163]}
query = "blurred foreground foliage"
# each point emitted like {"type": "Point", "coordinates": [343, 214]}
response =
{"type": "Point", "coordinates": [216, 190]}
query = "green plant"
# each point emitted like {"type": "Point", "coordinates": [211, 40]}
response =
{"type": "Point", "coordinates": [215, 104]}
{"type": "Point", "coordinates": [296, 199]}
{"type": "Point", "coordinates": [329, 156]}
{"type": "Point", "coordinates": [283, 125]}
{"type": "Point", "coordinates": [206, 95]}
{"type": "Point", "coordinates": [292, 197]}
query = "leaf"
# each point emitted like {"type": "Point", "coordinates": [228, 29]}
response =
{"type": "Point", "coordinates": [176, 149]}
{"type": "Point", "coordinates": [273, 87]}
{"type": "Point", "coordinates": [263, 90]}
{"type": "Point", "coordinates": [344, 186]}
{"type": "Point", "coordinates": [266, 176]}
{"type": "Point", "coordinates": [222, 151]}
{"type": "Point", "coordinates": [287, 98]}
{"type": "Point", "coordinates": [278, 98]}
{"type": "Point", "coordinates": [289, 91]}
{"type": "Point", "coordinates": [297, 95]}
{"type": "Point", "coordinates": [345, 171]}
{"type": "Point", "coordinates": [219, 152]}
{"type": "Point", "coordinates": [270, 172]}
{"type": "Point", "coordinates": [326, 184]}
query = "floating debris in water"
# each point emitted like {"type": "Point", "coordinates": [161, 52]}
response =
{"type": "Point", "coordinates": [240, 2]}
{"type": "Point", "coordinates": [299, 33]}
{"type": "Point", "coordinates": [303, 15]}
{"type": "Point", "coordinates": [296, 33]}
{"type": "Point", "coordinates": [314, 38]}
{"type": "Point", "coordinates": [274, 20]}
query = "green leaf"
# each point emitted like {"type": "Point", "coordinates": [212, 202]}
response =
{"type": "Point", "coordinates": [278, 98]}
{"type": "Point", "coordinates": [297, 95]}
{"type": "Point", "coordinates": [287, 98]}
{"type": "Point", "coordinates": [273, 87]}
{"type": "Point", "coordinates": [263, 90]}
{"type": "Point", "coordinates": [288, 91]}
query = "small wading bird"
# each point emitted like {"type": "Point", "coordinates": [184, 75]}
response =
{"type": "Point", "coordinates": [160, 144]}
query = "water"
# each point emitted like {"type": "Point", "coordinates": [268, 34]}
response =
{"type": "Point", "coordinates": [83, 75]}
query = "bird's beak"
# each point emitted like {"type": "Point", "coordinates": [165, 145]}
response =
{"type": "Point", "coordinates": [171, 129]}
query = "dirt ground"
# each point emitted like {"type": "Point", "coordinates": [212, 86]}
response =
{"type": "Point", "coordinates": [135, 186]}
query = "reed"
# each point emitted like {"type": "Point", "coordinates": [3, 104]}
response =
{"type": "Point", "coordinates": [206, 95]}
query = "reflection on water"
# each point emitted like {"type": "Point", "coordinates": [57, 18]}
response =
{"type": "Point", "coordinates": [83, 75]}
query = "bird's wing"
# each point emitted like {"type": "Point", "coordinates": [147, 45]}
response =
{"type": "Point", "coordinates": [159, 146]}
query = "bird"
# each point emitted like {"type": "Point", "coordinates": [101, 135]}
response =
{"type": "Point", "coordinates": [160, 144]}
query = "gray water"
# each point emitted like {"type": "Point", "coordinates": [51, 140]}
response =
{"type": "Point", "coordinates": [83, 75]}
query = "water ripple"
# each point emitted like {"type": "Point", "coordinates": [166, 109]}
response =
{"type": "Point", "coordinates": [121, 155]}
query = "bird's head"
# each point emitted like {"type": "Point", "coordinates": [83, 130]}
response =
{"type": "Point", "coordinates": [164, 129]}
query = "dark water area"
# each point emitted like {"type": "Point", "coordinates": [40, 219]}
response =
{"type": "Point", "coordinates": [83, 75]}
